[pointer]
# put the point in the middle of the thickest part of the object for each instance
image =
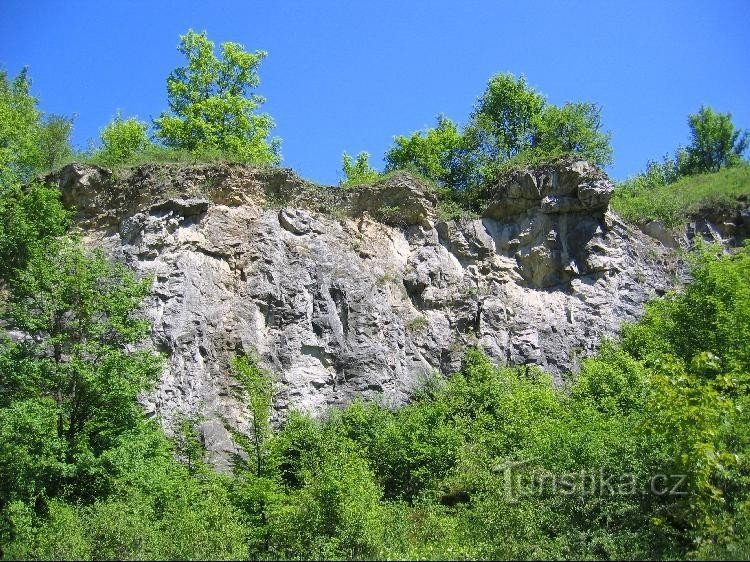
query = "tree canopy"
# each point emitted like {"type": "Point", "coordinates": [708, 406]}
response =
{"type": "Point", "coordinates": [510, 121]}
{"type": "Point", "coordinates": [715, 142]}
{"type": "Point", "coordinates": [212, 103]}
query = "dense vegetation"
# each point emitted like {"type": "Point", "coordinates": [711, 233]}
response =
{"type": "Point", "coordinates": [646, 454]}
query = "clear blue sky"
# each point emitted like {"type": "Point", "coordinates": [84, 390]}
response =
{"type": "Point", "coordinates": [350, 75]}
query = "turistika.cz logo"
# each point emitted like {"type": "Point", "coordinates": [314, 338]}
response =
{"type": "Point", "coordinates": [522, 479]}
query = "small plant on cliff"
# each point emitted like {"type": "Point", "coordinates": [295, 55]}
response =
{"type": "Point", "coordinates": [212, 106]}
{"type": "Point", "coordinates": [357, 171]}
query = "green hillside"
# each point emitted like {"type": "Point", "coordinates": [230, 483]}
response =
{"type": "Point", "coordinates": [672, 204]}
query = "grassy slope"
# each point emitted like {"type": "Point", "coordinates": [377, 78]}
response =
{"type": "Point", "coordinates": [672, 204]}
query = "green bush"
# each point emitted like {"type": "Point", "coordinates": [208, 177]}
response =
{"type": "Point", "coordinates": [357, 171]}
{"type": "Point", "coordinates": [122, 141]}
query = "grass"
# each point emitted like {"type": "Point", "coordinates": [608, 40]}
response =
{"type": "Point", "coordinates": [674, 203]}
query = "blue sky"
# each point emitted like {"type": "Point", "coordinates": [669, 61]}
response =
{"type": "Point", "coordinates": [351, 75]}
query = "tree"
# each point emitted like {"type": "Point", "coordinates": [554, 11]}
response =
{"type": "Point", "coordinates": [357, 171]}
{"type": "Point", "coordinates": [441, 154]}
{"type": "Point", "coordinates": [715, 142]}
{"type": "Point", "coordinates": [31, 214]}
{"type": "Point", "coordinates": [256, 390]}
{"type": "Point", "coordinates": [505, 116]}
{"type": "Point", "coordinates": [29, 143]}
{"type": "Point", "coordinates": [19, 127]}
{"type": "Point", "coordinates": [54, 141]}
{"type": "Point", "coordinates": [122, 139]}
{"type": "Point", "coordinates": [212, 107]}
{"type": "Point", "coordinates": [574, 128]}
{"type": "Point", "coordinates": [75, 365]}
{"type": "Point", "coordinates": [511, 122]}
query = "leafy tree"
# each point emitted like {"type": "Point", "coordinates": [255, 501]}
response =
{"type": "Point", "coordinates": [19, 128]}
{"type": "Point", "coordinates": [29, 143]}
{"type": "Point", "coordinates": [54, 141]}
{"type": "Point", "coordinates": [357, 171]}
{"type": "Point", "coordinates": [30, 218]}
{"type": "Point", "coordinates": [441, 154]}
{"type": "Point", "coordinates": [715, 142]}
{"type": "Point", "coordinates": [256, 390]}
{"type": "Point", "coordinates": [574, 128]}
{"type": "Point", "coordinates": [511, 123]}
{"type": "Point", "coordinates": [332, 506]}
{"type": "Point", "coordinates": [122, 139]}
{"type": "Point", "coordinates": [504, 119]}
{"type": "Point", "coordinates": [79, 314]}
{"type": "Point", "coordinates": [212, 106]}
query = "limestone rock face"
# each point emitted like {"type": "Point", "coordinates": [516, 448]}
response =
{"type": "Point", "coordinates": [341, 299]}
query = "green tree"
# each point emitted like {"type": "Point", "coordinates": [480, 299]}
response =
{"type": "Point", "coordinates": [715, 142]}
{"type": "Point", "coordinates": [332, 505]}
{"type": "Point", "coordinates": [19, 129]}
{"type": "Point", "coordinates": [256, 390]}
{"type": "Point", "coordinates": [29, 143]}
{"type": "Point", "coordinates": [31, 214]}
{"type": "Point", "coordinates": [122, 139]}
{"type": "Point", "coordinates": [504, 119]}
{"type": "Point", "coordinates": [441, 154]}
{"type": "Point", "coordinates": [212, 107]}
{"type": "Point", "coordinates": [54, 141]}
{"type": "Point", "coordinates": [511, 122]}
{"type": "Point", "coordinates": [30, 218]}
{"type": "Point", "coordinates": [574, 128]}
{"type": "Point", "coordinates": [75, 365]}
{"type": "Point", "coordinates": [357, 171]}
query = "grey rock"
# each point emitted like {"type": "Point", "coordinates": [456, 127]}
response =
{"type": "Point", "coordinates": [657, 230]}
{"type": "Point", "coordinates": [343, 306]}
{"type": "Point", "coordinates": [398, 200]}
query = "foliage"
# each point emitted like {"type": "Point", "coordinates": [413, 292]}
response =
{"type": "Point", "coordinates": [74, 368]}
{"type": "Point", "coordinates": [30, 215]}
{"type": "Point", "coordinates": [331, 508]}
{"type": "Point", "coordinates": [504, 118]}
{"type": "Point", "coordinates": [694, 177]}
{"type": "Point", "coordinates": [358, 171]}
{"type": "Point", "coordinates": [573, 128]}
{"type": "Point", "coordinates": [440, 154]}
{"type": "Point", "coordinates": [715, 142]}
{"type": "Point", "coordinates": [511, 125]}
{"type": "Point", "coordinates": [256, 390]}
{"type": "Point", "coordinates": [19, 126]}
{"type": "Point", "coordinates": [212, 106]}
{"type": "Point", "coordinates": [29, 142]}
{"type": "Point", "coordinates": [649, 197]}
{"type": "Point", "coordinates": [54, 142]}
{"type": "Point", "coordinates": [122, 140]}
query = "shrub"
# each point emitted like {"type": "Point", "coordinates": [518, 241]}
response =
{"type": "Point", "coordinates": [122, 140]}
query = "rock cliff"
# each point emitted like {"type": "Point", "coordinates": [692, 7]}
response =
{"type": "Point", "coordinates": [361, 292]}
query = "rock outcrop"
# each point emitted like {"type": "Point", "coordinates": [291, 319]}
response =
{"type": "Point", "coordinates": [361, 292]}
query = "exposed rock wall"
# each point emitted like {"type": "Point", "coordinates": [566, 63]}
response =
{"type": "Point", "coordinates": [360, 293]}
